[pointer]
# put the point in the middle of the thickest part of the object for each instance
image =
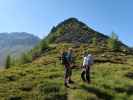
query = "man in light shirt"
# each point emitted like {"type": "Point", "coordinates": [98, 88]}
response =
{"type": "Point", "coordinates": [87, 63]}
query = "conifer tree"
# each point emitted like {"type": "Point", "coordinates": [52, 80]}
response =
{"type": "Point", "coordinates": [8, 62]}
{"type": "Point", "coordinates": [25, 58]}
{"type": "Point", "coordinates": [94, 39]}
{"type": "Point", "coordinates": [44, 45]}
{"type": "Point", "coordinates": [112, 42]}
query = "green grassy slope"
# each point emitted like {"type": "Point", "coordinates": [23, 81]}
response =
{"type": "Point", "coordinates": [43, 80]}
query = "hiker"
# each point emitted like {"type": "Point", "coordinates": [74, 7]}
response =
{"type": "Point", "coordinates": [87, 63]}
{"type": "Point", "coordinates": [67, 61]}
{"type": "Point", "coordinates": [71, 62]}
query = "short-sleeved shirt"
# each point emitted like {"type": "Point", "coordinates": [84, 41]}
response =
{"type": "Point", "coordinates": [88, 60]}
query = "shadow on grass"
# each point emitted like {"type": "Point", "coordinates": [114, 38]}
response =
{"type": "Point", "coordinates": [99, 93]}
{"type": "Point", "coordinates": [116, 61]}
{"type": "Point", "coordinates": [128, 90]}
{"type": "Point", "coordinates": [15, 98]}
{"type": "Point", "coordinates": [129, 75]}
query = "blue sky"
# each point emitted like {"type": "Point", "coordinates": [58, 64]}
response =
{"type": "Point", "coordinates": [39, 16]}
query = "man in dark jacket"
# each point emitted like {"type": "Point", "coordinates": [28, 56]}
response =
{"type": "Point", "coordinates": [67, 61]}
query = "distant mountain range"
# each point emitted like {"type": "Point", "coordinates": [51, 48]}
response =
{"type": "Point", "coordinates": [15, 44]}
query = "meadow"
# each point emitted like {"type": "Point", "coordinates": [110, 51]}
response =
{"type": "Point", "coordinates": [43, 78]}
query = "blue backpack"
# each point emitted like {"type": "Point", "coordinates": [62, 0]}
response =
{"type": "Point", "coordinates": [64, 58]}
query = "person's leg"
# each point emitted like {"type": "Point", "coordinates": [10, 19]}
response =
{"type": "Point", "coordinates": [70, 74]}
{"type": "Point", "coordinates": [88, 74]}
{"type": "Point", "coordinates": [66, 76]}
{"type": "Point", "coordinates": [83, 75]}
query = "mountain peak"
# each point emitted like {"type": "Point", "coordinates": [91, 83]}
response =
{"type": "Point", "coordinates": [72, 30]}
{"type": "Point", "coordinates": [71, 19]}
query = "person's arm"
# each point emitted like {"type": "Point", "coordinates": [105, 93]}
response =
{"type": "Point", "coordinates": [61, 58]}
{"type": "Point", "coordinates": [84, 62]}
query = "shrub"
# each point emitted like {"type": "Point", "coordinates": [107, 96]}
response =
{"type": "Point", "coordinates": [52, 91]}
{"type": "Point", "coordinates": [94, 39]}
{"type": "Point", "coordinates": [52, 38]}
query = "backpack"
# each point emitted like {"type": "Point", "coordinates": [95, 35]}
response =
{"type": "Point", "coordinates": [71, 58]}
{"type": "Point", "coordinates": [64, 58]}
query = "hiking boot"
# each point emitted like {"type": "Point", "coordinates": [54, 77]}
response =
{"type": "Point", "coordinates": [71, 82]}
{"type": "Point", "coordinates": [88, 82]}
{"type": "Point", "coordinates": [66, 85]}
{"type": "Point", "coordinates": [83, 80]}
